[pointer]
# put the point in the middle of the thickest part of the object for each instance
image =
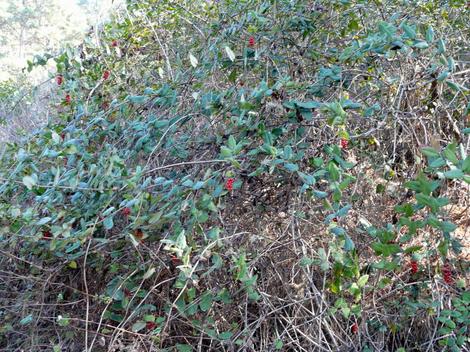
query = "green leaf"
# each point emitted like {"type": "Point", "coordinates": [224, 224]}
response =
{"type": "Point", "coordinates": [206, 302]}
{"type": "Point", "coordinates": [137, 99]}
{"type": "Point", "coordinates": [443, 76]}
{"type": "Point", "coordinates": [291, 167]}
{"type": "Point", "coordinates": [466, 165]}
{"type": "Point", "coordinates": [466, 178]}
{"type": "Point", "coordinates": [387, 28]}
{"type": "Point", "coordinates": [421, 44]}
{"type": "Point", "coordinates": [429, 151]}
{"type": "Point", "coordinates": [43, 221]}
{"type": "Point", "coordinates": [184, 348]}
{"type": "Point", "coordinates": [278, 344]}
{"type": "Point", "coordinates": [430, 34]}
{"type": "Point", "coordinates": [26, 320]}
{"type": "Point", "coordinates": [226, 152]}
{"type": "Point", "coordinates": [449, 154]}
{"type": "Point", "coordinates": [230, 53]}
{"type": "Point", "coordinates": [63, 321]}
{"type": "Point", "coordinates": [108, 223]}
{"type": "Point", "coordinates": [305, 261]}
{"type": "Point", "coordinates": [319, 194]}
{"type": "Point", "coordinates": [71, 149]}
{"type": "Point", "coordinates": [193, 60]}
{"type": "Point", "coordinates": [225, 335]}
{"type": "Point", "coordinates": [362, 280]}
{"type": "Point", "coordinates": [29, 181]}
{"type": "Point", "coordinates": [333, 171]}
{"type": "Point", "coordinates": [232, 143]}
{"type": "Point", "coordinates": [454, 174]}
{"type": "Point", "coordinates": [386, 249]}
{"type": "Point", "coordinates": [148, 273]}
{"type": "Point", "coordinates": [224, 296]}
{"type": "Point", "coordinates": [439, 162]}
{"type": "Point", "coordinates": [441, 46]}
{"type": "Point", "coordinates": [348, 243]}
{"type": "Point", "coordinates": [308, 104]}
{"type": "Point", "coordinates": [456, 87]}
{"type": "Point", "coordinates": [409, 31]}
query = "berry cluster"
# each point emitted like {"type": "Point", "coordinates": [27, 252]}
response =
{"type": "Point", "coordinates": [251, 42]}
{"type": "Point", "coordinates": [344, 143]}
{"type": "Point", "coordinates": [126, 212]}
{"type": "Point", "coordinates": [150, 325]}
{"type": "Point", "coordinates": [106, 74]}
{"type": "Point", "coordinates": [447, 274]}
{"type": "Point", "coordinates": [414, 266]}
{"type": "Point", "coordinates": [229, 184]}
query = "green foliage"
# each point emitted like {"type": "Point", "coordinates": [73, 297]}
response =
{"type": "Point", "coordinates": [185, 123]}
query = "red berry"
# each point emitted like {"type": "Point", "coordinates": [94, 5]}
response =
{"type": "Point", "coordinates": [59, 79]}
{"type": "Point", "coordinates": [114, 43]}
{"type": "Point", "coordinates": [106, 74]}
{"type": "Point", "coordinates": [68, 98]}
{"type": "Point", "coordinates": [138, 234]}
{"type": "Point", "coordinates": [46, 235]}
{"type": "Point", "coordinates": [126, 211]}
{"type": "Point", "coordinates": [334, 219]}
{"type": "Point", "coordinates": [414, 266]}
{"type": "Point", "coordinates": [251, 42]}
{"type": "Point", "coordinates": [447, 274]}
{"type": "Point", "coordinates": [344, 143]}
{"type": "Point", "coordinates": [229, 184]}
{"type": "Point", "coordinates": [354, 328]}
{"type": "Point", "coordinates": [150, 325]}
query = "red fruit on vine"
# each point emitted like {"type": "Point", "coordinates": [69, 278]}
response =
{"type": "Point", "coordinates": [114, 43]}
{"type": "Point", "coordinates": [229, 184]}
{"type": "Point", "coordinates": [46, 235]}
{"type": "Point", "coordinates": [138, 234]}
{"type": "Point", "coordinates": [106, 74]}
{"type": "Point", "coordinates": [354, 328]}
{"type": "Point", "coordinates": [126, 211]}
{"type": "Point", "coordinates": [150, 325]}
{"type": "Point", "coordinates": [251, 42]}
{"type": "Point", "coordinates": [59, 80]}
{"type": "Point", "coordinates": [68, 99]}
{"type": "Point", "coordinates": [344, 143]}
{"type": "Point", "coordinates": [447, 274]}
{"type": "Point", "coordinates": [414, 266]}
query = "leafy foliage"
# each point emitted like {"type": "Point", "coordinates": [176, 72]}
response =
{"type": "Point", "coordinates": [258, 175]}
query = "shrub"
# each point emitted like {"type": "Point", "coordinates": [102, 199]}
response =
{"type": "Point", "coordinates": [246, 175]}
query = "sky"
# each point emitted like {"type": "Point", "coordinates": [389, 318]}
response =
{"type": "Point", "coordinates": [47, 26]}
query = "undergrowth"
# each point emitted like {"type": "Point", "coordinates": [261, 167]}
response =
{"type": "Point", "coordinates": [246, 176]}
